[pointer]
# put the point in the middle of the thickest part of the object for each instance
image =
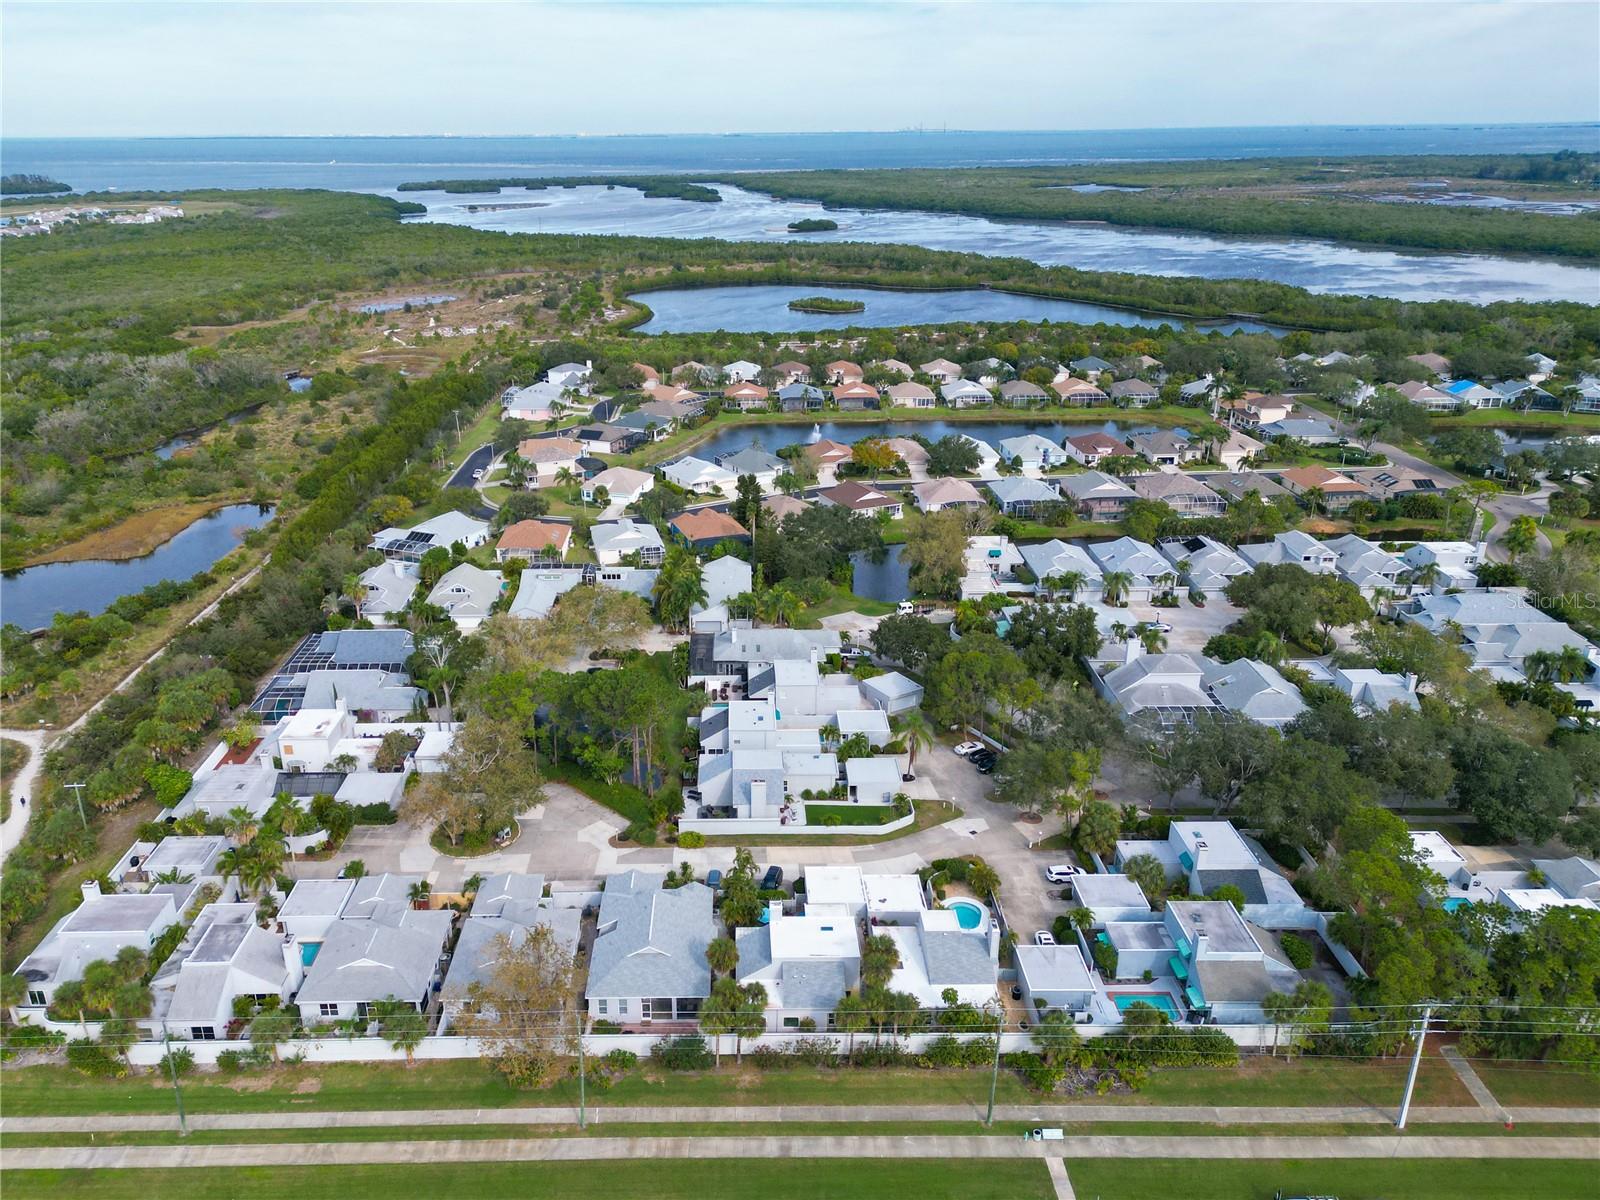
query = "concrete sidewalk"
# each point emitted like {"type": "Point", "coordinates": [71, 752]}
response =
{"type": "Point", "coordinates": [1039, 1114]}
{"type": "Point", "coordinates": [744, 1148]}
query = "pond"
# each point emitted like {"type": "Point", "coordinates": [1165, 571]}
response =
{"type": "Point", "coordinates": [880, 574]}
{"type": "Point", "coordinates": [749, 216]}
{"type": "Point", "coordinates": [765, 309]}
{"type": "Point", "coordinates": [772, 436]}
{"type": "Point", "coordinates": [33, 596]}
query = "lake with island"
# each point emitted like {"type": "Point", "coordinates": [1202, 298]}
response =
{"type": "Point", "coordinates": [1316, 266]}
{"type": "Point", "coordinates": [765, 308]}
{"type": "Point", "coordinates": [33, 596]}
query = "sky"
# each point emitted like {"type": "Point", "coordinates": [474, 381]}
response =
{"type": "Point", "coordinates": [215, 69]}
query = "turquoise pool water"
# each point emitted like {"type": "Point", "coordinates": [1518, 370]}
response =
{"type": "Point", "coordinates": [968, 914]}
{"type": "Point", "coordinates": [1157, 1000]}
{"type": "Point", "coordinates": [308, 952]}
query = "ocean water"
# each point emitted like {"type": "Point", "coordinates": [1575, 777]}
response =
{"type": "Point", "coordinates": [365, 164]}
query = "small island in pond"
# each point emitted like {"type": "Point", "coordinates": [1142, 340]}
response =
{"type": "Point", "coordinates": [826, 304]}
{"type": "Point", "coordinates": [812, 225]}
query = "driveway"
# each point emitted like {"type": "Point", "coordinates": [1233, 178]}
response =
{"type": "Point", "coordinates": [478, 460]}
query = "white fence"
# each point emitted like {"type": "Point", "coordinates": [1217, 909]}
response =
{"type": "Point", "coordinates": [774, 828]}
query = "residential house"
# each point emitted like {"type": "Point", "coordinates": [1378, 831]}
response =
{"type": "Point", "coordinates": [938, 954]}
{"type": "Point", "coordinates": [615, 540]}
{"type": "Point", "coordinates": [1239, 484]}
{"type": "Point", "coordinates": [1225, 972]}
{"type": "Point", "coordinates": [861, 498]}
{"type": "Point", "coordinates": [843, 371]}
{"type": "Point", "coordinates": [1148, 571]}
{"type": "Point", "coordinates": [409, 545]}
{"type": "Point", "coordinates": [695, 373]}
{"type": "Point", "coordinates": [1090, 448]}
{"type": "Point", "coordinates": [1295, 547]}
{"type": "Point", "coordinates": [1204, 855]}
{"type": "Point", "coordinates": [509, 906]}
{"type": "Point", "coordinates": [366, 960]}
{"type": "Point", "coordinates": [1499, 628]}
{"type": "Point", "coordinates": [1019, 496]}
{"type": "Point", "coordinates": [701, 478]}
{"type": "Point", "coordinates": [99, 927]}
{"type": "Point", "coordinates": [801, 397]}
{"type": "Point", "coordinates": [1425, 395]}
{"type": "Point", "coordinates": [385, 590]}
{"type": "Point", "coordinates": [622, 485]}
{"type": "Point", "coordinates": [1078, 392]}
{"type": "Point", "coordinates": [1338, 491]}
{"type": "Point", "coordinates": [723, 579]}
{"type": "Point", "coordinates": [468, 594]}
{"type": "Point", "coordinates": [535, 541]}
{"type": "Point", "coordinates": [892, 693]}
{"type": "Point", "coordinates": [779, 507]}
{"type": "Point", "coordinates": [790, 371]}
{"type": "Point", "coordinates": [893, 366]}
{"type": "Point", "coordinates": [1233, 450]}
{"type": "Point", "coordinates": [1204, 563]}
{"type": "Point", "coordinates": [910, 395]}
{"type": "Point", "coordinates": [1366, 565]}
{"type": "Point", "coordinates": [762, 465]}
{"type": "Point", "coordinates": [1019, 393]}
{"type": "Point", "coordinates": [1253, 410]}
{"type": "Point", "coordinates": [1187, 496]}
{"type": "Point", "coordinates": [1390, 483]}
{"type": "Point", "coordinates": [1472, 393]}
{"type": "Point", "coordinates": [988, 456]}
{"type": "Point", "coordinates": [1252, 689]}
{"type": "Point", "coordinates": [1054, 561]}
{"type": "Point", "coordinates": [1031, 453]}
{"type": "Point", "coordinates": [648, 963]}
{"type": "Point", "coordinates": [571, 376]}
{"type": "Point", "coordinates": [1540, 367]}
{"type": "Point", "coordinates": [1165, 448]}
{"type": "Point", "coordinates": [1445, 564]}
{"type": "Point", "coordinates": [1371, 691]}
{"type": "Point", "coordinates": [1097, 496]}
{"type": "Point", "coordinates": [1302, 429]}
{"type": "Point", "coordinates": [607, 439]}
{"type": "Point", "coordinates": [1168, 689]}
{"type": "Point", "coordinates": [941, 370]}
{"type": "Point", "coordinates": [872, 780]}
{"type": "Point", "coordinates": [741, 371]}
{"type": "Point", "coordinates": [934, 495]}
{"type": "Point", "coordinates": [855, 397]}
{"type": "Point", "coordinates": [747, 397]}
{"type": "Point", "coordinates": [682, 400]}
{"type": "Point", "coordinates": [1053, 978]}
{"type": "Point", "coordinates": [1199, 389]}
{"type": "Point", "coordinates": [536, 402]}
{"type": "Point", "coordinates": [964, 393]}
{"type": "Point", "coordinates": [1522, 393]}
{"type": "Point", "coordinates": [806, 962]}
{"type": "Point", "coordinates": [1587, 394]}
{"type": "Point", "coordinates": [1437, 363]}
{"type": "Point", "coordinates": [1110, 897]}
{"type": "Point", "coordinates": [223, 956]}
{"type": "Point", "coordinates": [538, 591]}
{"type": "Point", "coordinates": [736, 655]}
{"type": "Point", "coordinates": [1133, 393]}
{"type": "Point", "coordinates": [703, 528]}
{"type": "Point", "coordinates": [549, 457]}
{"type": "Point", "coordinates": [913, 454]}
{"type": "Point", "coordinates": [825, 455]}
{"type": "Point", "coordinates": [648, 375]}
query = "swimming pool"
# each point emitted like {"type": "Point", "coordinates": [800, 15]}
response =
{"type": "Point", "coordinates": [1157, 1000]}
{"type": "Point", "coordinates": [969, 913]}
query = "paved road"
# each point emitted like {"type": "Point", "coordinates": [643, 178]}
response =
{"type": "Point", "coordinates": [478, 460]}
{"type": "Point", "coordinates": [1044, 1114]}
{"type": "Point", "coordinates": [571, 1149]}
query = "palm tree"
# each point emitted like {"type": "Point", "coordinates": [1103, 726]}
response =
{"type": "Point", "coordinates": [722, 956]}
{"type": "Point", "coordinates": [1115, 585]}
{"type": "Point", "coordinates": [983, 879]}
{"type": "Point", "coordinates": [1067, 581]}
{"type": "Point", "coordinates": [1316, 500]}
{"type": "Point", "coordinates": [1267, 647]}
{"type": "Point", "coordinates": [1426, 575]}
{"type": "Point", "coordinates": [916, 733]}
{"type": "Point", "coordinates": [566, 477]}
{"type": "Point", "coordinates": [419, 892]}
{"type": "Point", "coordinates": [1571, 664]}
{"type": "Point", "coordinates": [241, 825]}
{"type": "Point", "coordinates": [1152, 639]}
{"type": "Point", "coordinates": [1540, 666]}
{"type": "Point", "coordinates": [1082, 919]}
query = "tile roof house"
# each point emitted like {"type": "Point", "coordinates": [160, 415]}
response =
{"type": "Point", "coordinates": [533, 539]}
{"type": "Point", "coordinates": [1090, 448]}
{"type": "Point", "coordinates": [1425, 395]}
{"type": "Point", "coordinates": [1437, 363]}
{"type": "Point", "coordinates": [648, 375]}
{"type": "Point", "coordinates": [859, 497]}
{"type": "Point", "coordinates": [806, 962]}
{"type": "Point", "coordinates": [648, 962]}
{"type": "Point", "coordinates": [964, 393]}
{"type": "Point", "coordinates": [910, 395]}
{"type": "Point", "coordinates": [1133, 393]}
{"type": "Point", "coordinates": [468, 594]}
{"type": "Point", "coordinates": [913, 454]}
{"type": "Point", "coordinates": [937, 494]}
{"type": "Point", "coordinates": [941, 370]}
{"type": "Point", "coordinates": [700, 477]}
{"type": "Point", "coordinates": [703, 528]}
{"type": "Point", "coordinates": [1239, 484]}
{"type": "Point", "coordinates": [854, 397]}
{"type": "Point", "coordinates": [548, 457]}
{"type": "Point", "coordinates": [1019, 393]}
{"type": "Point", "coordinates": [1187, 496]}
{"type": "Point", "coordinates": [1234, 449]}
{"type": "Point", "coordinates": [746, 397]}
{"type": "Point", "coordinates": [614, 540]}
{"type": "Point", "coordinates": [893, 366]}
{"type": "Point", "coordinates": [780, 506]}
{"type": "Point", "coordinates": [1078, 392]}
{"type": "Point", "coordinates": [1098, 496]}
{"type": "Point", "coordinates": [842, 370]}
{"type": "Point", "coordinates": [1338, 491]}
{"type": "Point", "coordinates": [790, 371]}
{"type": "Point", "coordinates": [1019, 496]}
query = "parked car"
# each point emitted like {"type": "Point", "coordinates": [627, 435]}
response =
{"type": "Point", "coordinates": [1158, 626]}
{"type": "Point", "coordinates": [964, 749]}
{"type": "Point", "coordinates": [1061, 872]}
{"type": "Point", "coordinates": [905, 608]}
{"type": "Point", "coordinates": [853, 653]}
{"type": "Point", "coordinates": [714, 880]}
{"type": "Point", "coordinates": [772, 879]}
{"type": "Point", "coordinates": [986, 765]}
{"type": "Point", "coordinates": [1044, 938]}
{"type": "Point", "coordinates": [478, 474]}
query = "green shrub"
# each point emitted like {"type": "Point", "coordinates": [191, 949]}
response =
{"type": "Point", "coordinates": [231, 1062]}
{"type": "Point", "coordinates": [620, 1060]}
{"type": "Point", "coordinates": [1297, 950]}
{"type": "Point", "coordinates": [377, 813]}
{"type": "Point", "coordinates": [177, 1061]}
{"type": "Point", "coordinates": [683, 1053]}
{"type": "Point", "coordinates": [1105, 957]}
{"type": "Point", "coordinates": [692, 840]}
{"type": "Point", "coordinates": [604, 1026]}
{"type": "Point", "coordinates": [91, 1058]}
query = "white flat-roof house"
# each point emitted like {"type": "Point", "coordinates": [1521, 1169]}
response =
{"type": "Point", "coordinates": [223, 956]}
{"type": "Point", "coordinates": [806, 962]}
{"type": "Point", "coordinates": [891, 692]}
{"type": "Point", "coordinates": [96, 930]}
{"type": "Point", "coordinates": [648, 962]}
{"type": "Point", "coordinates": [1208, 854]}
{"type": "Point", "coordinates": [1053, 977]}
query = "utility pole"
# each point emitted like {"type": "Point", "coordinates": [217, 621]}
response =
{"type": "Point", "coordinates": [583, 1115]}
{"type": "Point", "coordinates": [77, 790]}
{"type": "Point", "coordinates": [172, 1067]}
{"type": "Point", "coordinates": [1416, 1062]}
{"type": "Point", "coordinates": [994, 1076]}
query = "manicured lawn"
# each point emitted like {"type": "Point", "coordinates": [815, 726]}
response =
{"type": "Point", "coordinates": [1348, 1179]}
{"type": "Point", "coordinates": [929, 814]}
{"type": "Point", "coordinates": [51, 1090]}
{"type": "Point", "coordinates": [849, 814]}
{"type": "Point", "coordinates": [710, 1179]}
{"type": "Point", "coordinates": [1531, 1084]}
{"type": "Point", "coordinates": [1499, 418]}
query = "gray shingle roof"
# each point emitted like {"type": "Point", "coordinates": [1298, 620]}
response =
{"type": "Point", "coordinates": [957, 958]}
{"type": "Point", "coordinates": [653, 941]}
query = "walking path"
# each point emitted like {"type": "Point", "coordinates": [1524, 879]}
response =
{"type": "Point", "coordinates": [21, 787]}
{"type": "Point", "coordinates": [1475, 1085]}
{"type": "Point", "coordinates": [307, 1154]}
{"type": "Point", "coordinates": [1045, 1114]}
{"type": "Point", "coordinates": [1059, 1180]}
